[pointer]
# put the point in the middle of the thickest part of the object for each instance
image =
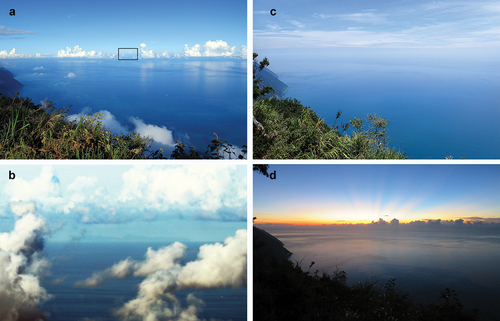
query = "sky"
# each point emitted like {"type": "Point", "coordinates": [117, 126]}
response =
{"type": "Point", "coordinates": [192, 203]}
{"type": "Point", "coordinates": [459, 29]}
{"type": "Point", "coordinates": [343, 194]}
{"type": "Point", "coordinates": [159, 29]}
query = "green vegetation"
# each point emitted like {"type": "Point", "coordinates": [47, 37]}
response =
{"type": "Point", "coordinates": [283, 291]}
{"type": "Point", "coordinates": [29, 131]}
{"type": "Point", "coordinates": [285, 129]}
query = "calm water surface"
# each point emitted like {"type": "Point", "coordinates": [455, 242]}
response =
{"type": "Point", "coordinates": [424, 261]}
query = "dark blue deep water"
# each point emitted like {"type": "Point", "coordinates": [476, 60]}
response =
{"type": "Point", "coordinates": [436, 109]}
{"type": "Point", "coordinates": [193, 98]}
{"type": "Point", "coordinates": [76, 262]}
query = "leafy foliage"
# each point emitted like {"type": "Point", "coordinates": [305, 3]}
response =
{"type": "Point", "coordinates": [285, 129]}
{"type": "Point", "coordinates": [29, 131]}
{"type": "Point", "coordinates": [292, 131]}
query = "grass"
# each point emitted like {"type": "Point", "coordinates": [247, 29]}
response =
{"type": "Point", "coordinates": [285, 129]}
{"type": "Point", "coordinates": [29, 131]}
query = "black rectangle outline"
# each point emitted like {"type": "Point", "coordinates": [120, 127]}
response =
{"type": "Point", "coordinates": [137, 49]}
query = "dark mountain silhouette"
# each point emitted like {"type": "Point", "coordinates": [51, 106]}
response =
{"type": "Point", "coordinates": [268, 247]}
{"type": "Point", "coordinates": [8, 85]}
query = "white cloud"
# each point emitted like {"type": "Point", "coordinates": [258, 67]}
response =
{"type": "Point", "coordinates": [38, 68]}
{"type": "Point", "coordinates": [164, 54]}
{"type": "Point", "coordinates": [322, 16]}
{"type": "Point", "coordinates": [22, 266]}
{"type": "Point", "coordinates": [111, 123]}
{"type": "Point", "coordinates": [78, 52]}
{"type": "Point", "coordinates": [195, 51]}
{"type": "Point", "coordinates": [205, 191]}
{"type": "Point", "coordinates": [218, 48]}
{"type": "Point", "coordinates": [218, 265]}
{"type": "Point", "coordinates": [146, 53]}
{"type": "Point", "coordinates": [365, 17]}
{"type": "Point", "coordinates": [160, 134]}
{"type": "Point", "coordinates": [4, 31]}
{"type": "Point", "coordinates": [44, 188]}
{"type": "Point", "coordinates": [296, 23]}
{"type": "Point", "coordinates": [243, 52]}
{"type": "Point", "coordinates": [70, 75]}
{"type": "Point", "coordinates": [12, 54]}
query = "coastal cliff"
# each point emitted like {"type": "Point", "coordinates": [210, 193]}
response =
{"type": "Point", "coordinates": [8, 84]}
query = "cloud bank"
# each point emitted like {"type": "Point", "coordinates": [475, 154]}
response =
{"type": "Point", "coordinates": [22, 266]}
{"type": "Point", "coordinates": [218, 265]}
{"type": "Point", "coordinates": [216, 48]}
{"type": "Point", "coordinates": [208, 192]}
{"type": "Point", "coordinates": [79, 52]}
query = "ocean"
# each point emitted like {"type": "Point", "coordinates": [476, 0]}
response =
{"type": "Point", "coordinates": [72, 262]}
{"type": "Point", "coordinates": [192, 98]}
{"type": "Point", "coordinates": [424, 261]}
{"type": "Point", "coordinates": [437, 108]}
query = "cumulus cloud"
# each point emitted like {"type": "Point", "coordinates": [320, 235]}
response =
{"type": "Point", "coordinates": [195, 51]}
{"type": "Point", "coordinates": [45, 188]}
{"type": "Point", "coordinates": [79, 52]}
{"type": "Point", "coordinates": [204, 192]}
{"type": "Point", "coordinates": [243, 52]}
{"type": "Point", "coordinates": [22, 266]}
{"type": "Point", "coordinates": [165, 258]}
{"type": "Point", "coordinates": [160, 134]}
{"type": "Point", "coordinates": [146, 53]}
{"type": "Point", "coordinates": [38, 68]}
{"type": "Point", "coordinates": [70, 75]}
{"type": "Point", "coordinates": [164, 54]}
{"type": "Point", "coordinates": [12, 54]}
{"type": "Point", "coordinates": [216, 48]}
{"type": "Point", "coordinates": [218, 265]}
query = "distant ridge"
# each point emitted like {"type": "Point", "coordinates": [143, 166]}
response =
{"type": "Point", "coordinates": [8, 85]}
{"type": "Point", "coordinates": [268, 246]}
{"type": "Point", "coordinates": [269, 78]}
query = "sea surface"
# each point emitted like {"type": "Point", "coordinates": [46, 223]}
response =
{"type": "Point", "coordinates": [424, 261]}
{"type": "Point", "coordinates": [77, 261]}
{"type": "Point", "coordinates": [436, 108]}
{"type": "Point", "coordinates": [193, 98]}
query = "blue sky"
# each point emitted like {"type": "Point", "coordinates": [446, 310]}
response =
{"type": "Point", "coordinates": [460, 29]}
{"type": "Point", "coordinates": [184, 203]}
{"type": "Point", "coordinates": [318, 194]}
{"type": "Point", "coordinates": [48, 27]}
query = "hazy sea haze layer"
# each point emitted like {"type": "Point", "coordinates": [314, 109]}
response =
{"type": "Point", "coordinates": [424, 261]}
{"type": "Point", "coordinates": [77, 261]}
{"type": "Point", "coordinates": [436, 108]}
{"type": "Point", "coordinates": [193, 98]}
